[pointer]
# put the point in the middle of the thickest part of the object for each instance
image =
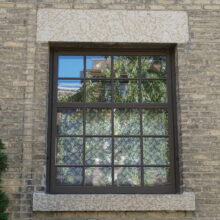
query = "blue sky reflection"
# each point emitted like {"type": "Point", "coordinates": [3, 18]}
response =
{"type": "Point", "coordinates": [70, 66]}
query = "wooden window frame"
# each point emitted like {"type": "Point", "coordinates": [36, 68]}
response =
{"type": "Point", "coordinates": [168, 51]}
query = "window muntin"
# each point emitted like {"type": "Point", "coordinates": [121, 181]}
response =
{"type": "Point", "coordinates": [112, 124]}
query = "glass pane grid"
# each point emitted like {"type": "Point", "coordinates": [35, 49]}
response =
{"type": "Point", "coordinates": [112, 91]}
{"type": "Point", "coordinates": [121, 148]}
{"type": "Point", "coordinates": [118, 67]}
{"type": "Point", "coordinates": [111, 154]}
{"type": "Point", "coordinates": [126, 77]}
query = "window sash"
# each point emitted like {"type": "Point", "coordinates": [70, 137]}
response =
{"type": "Point", "coordinates": [55, 106]}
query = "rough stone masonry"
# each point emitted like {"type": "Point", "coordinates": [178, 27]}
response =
{"type": "Point", "coordinates": [24, 65]}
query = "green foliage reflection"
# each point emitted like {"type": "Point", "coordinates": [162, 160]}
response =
{"type": "Point", "coordinates": [127, 89]}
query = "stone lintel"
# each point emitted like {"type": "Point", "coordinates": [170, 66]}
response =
{"type": "Point", "coordinates": [127, 26]}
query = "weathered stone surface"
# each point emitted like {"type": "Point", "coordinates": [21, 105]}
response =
{"type": "Point", "coordinates": [112, 26]}
{"type": "Point", "coordinates": [176, 202]}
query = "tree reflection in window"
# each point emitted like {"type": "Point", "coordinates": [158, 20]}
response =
{"type": "Point", "coordinates": [122, 143]}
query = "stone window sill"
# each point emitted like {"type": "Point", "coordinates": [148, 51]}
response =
{"type": "Point", "coordinates": [43, 202]}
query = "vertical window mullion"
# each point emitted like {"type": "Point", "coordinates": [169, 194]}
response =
{"type": "Point", "coordinates": [84, 122]}
{"type": "Point", "coordinates": [112, 115]}
{"type": "Point", "coordinates": [141, 126]}
{"type": "Point", "coordinates": [84, 81]}
{"type": "Point", "coordinates": [142, 149]}
{"type": "Point", "coordinates": [84, 143]}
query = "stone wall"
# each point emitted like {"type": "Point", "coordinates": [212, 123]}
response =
{"type": "Point", "coordinates": [24, 66]}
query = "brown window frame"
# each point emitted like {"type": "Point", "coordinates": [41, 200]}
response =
{"type": "Point", "coordinates": [168, 51]}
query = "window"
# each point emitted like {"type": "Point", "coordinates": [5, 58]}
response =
{"type": "Point", "coordinates": [112, 121]}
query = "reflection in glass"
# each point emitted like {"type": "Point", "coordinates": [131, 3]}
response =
{"type": "Point", "coordinates": [70, 66]}
{"type": "Point", "coordinates": [98, 176]}
{"type": "Point", "coordinates": [127, 121]}
{"type": "Point", "coordinates": [127, 176]}
{"type": "Point", "coordinates": [69, 175]}
{"type": "Point", "coordinates": [155, 176]}
{"type": "Point", "coordinates": [153, 67]}
{"type": "Point", "coordinates": [70, 122]}
{"type": "Point", "coordinates": [98, 151]}
{"type": "Point", "coordinates": [98, 66]}
{"type": "Point", "coordinates": [126, 91]}
{"type": "Point", "coordinates": [69, 151]}
{"type": "Point", "coordinates": [155, 122]}
{"type": "Point", "coordinates": [154, 91]}
{"type": "Point", "coordinates": [70, 91]}
{"type": "Point", "coordinates": [156, 151]}
{"type": "Point", "coordinates": [98, 91]}
{"type": "Point", "coordinates": [98, 121]}
{"type": "Point", "coordinates": [127, 151]}
{"type": "Point", "coordinates": [126, 66]}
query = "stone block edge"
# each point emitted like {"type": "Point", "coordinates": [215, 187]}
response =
{"type": "Point", "coordinates": [43, 202]}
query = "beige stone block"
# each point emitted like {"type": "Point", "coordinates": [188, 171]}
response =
{"type": "Point", "coordinates": [112, 26]}
{"type": "Point", "coordinates": [212, 7]}
{"type": "Point", "coordinates": [215, 2]}
{"type": "Point", "coordinates": [201, 1]}
{"type": "Point", "coordinates": [14, 44]}
{"type": "Point", "coordinates": [114, 202]}
{"type": "Point", "coordinates": [193, 7]}
{"type": "Point", "coordinates": [157, 7]}
{"type": "Point", "coordinates": [7, 5]}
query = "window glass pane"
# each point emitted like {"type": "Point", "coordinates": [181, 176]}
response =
{"type": "Point", "coordinates": [155, 122]}
{"type": "Point", "coordinates": [111, 125]}
{"type": "Point", "coordinates": [98, 66]}
{"type": "Point", "coordinates": [126, 122]}
{"type": "Point", "coordinates": [70, 66]}
{"type": "Point", "coordinates": [98, 121]}
{"type": "Point", "coordinates": [98, 91]}
{"type": "Point", "coordinates": [98, 151]}
{"type": "Point", "coordinates": [127, 176]}
{"type": "Point", "coordinates": [154, 91]}
{"type": "Point", "coordinates": [70, 91]}
{"type": "Point", "coordinates": [156, 151]}
{"type": "Point", "coordinates": [127, 151]}
{"type": "Point", "coordinates": [156, 176]}
{"type": "Point", "coordinates": [126, 66]}
{"type": "Point", "coordinates": [153, 67]}
{"type": "Point", "coordinates": [126, 91]}
{"type": "Point", "coordinates": [69, 175]}
{"type": "Point", "coordinates": [70, 122]}
{"type": "Point", "coordinates": [98, 176]}
{"type": "Point", "coordinates": [69, 151]}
